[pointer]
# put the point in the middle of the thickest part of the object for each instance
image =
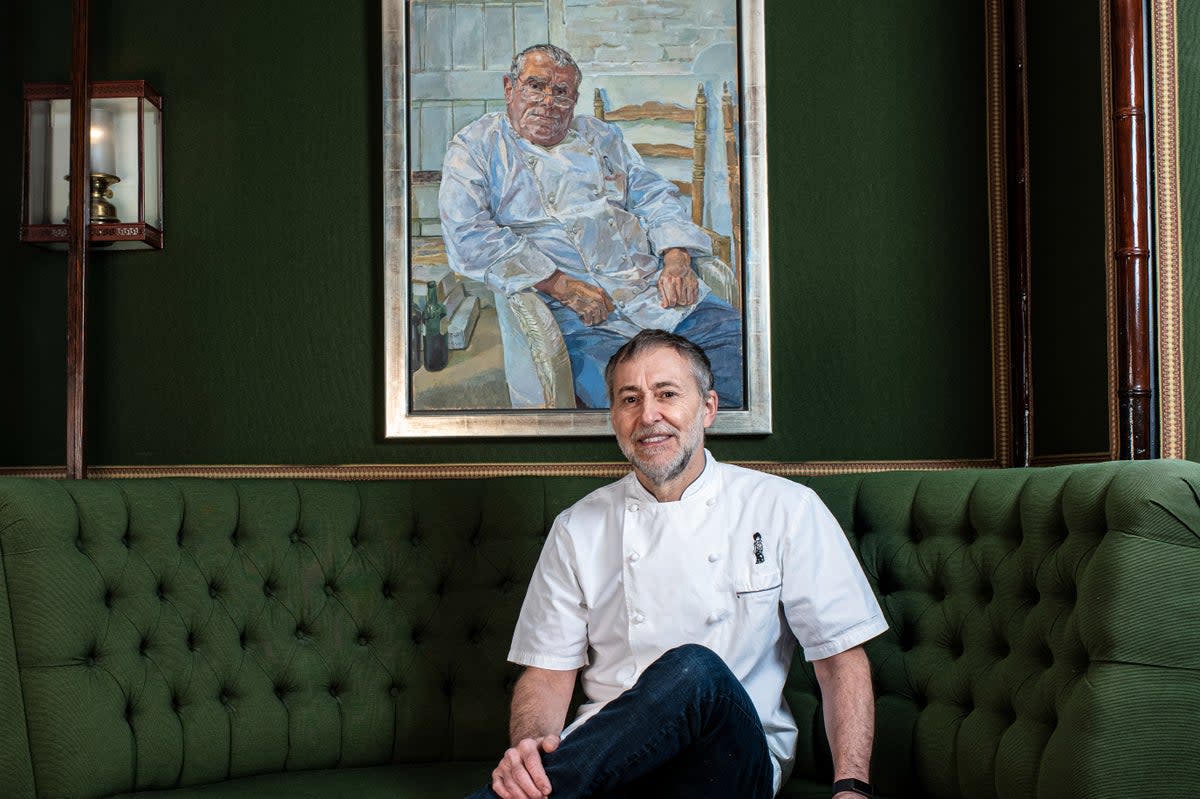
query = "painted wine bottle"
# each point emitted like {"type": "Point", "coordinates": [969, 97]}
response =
{"type": "Point", "coordinates": [437, 346]}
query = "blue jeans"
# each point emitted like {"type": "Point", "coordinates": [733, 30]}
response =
{"type": "Point", "coordinates": [713, 325]}
{"type": "Point", "coordinates": [686, 729]}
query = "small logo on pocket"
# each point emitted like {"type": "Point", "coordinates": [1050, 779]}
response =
{"type": "Point", "coordinates": [759, 557]}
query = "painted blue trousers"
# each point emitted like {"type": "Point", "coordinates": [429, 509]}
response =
{"type": "Point", "coordinates": [715, 326]}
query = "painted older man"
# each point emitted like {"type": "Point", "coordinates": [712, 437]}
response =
{"type": "Point", "coordinates": [535, 198]}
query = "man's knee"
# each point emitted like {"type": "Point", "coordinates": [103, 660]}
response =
{"type": "Point", "coordinates": [696, 665]}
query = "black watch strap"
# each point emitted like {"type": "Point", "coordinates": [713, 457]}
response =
{"type": "Point", "coordinates": [857, 786]}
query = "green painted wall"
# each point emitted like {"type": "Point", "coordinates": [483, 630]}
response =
{"type": "Point", "coordinates": [256, 335]}
{"type": "Point", "coordinates": [1068, 257]}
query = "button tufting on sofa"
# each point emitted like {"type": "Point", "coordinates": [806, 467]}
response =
{"type": "Point", "coordinates": [980, 680]}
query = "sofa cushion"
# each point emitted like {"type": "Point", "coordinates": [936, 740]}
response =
{"type": "Point", "coordinates": [413, 781]}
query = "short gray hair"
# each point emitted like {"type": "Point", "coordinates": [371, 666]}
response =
{"type": "Point", "coordinates": [648, 340]}
{"type": "Point", "coordinates": [556, 54]}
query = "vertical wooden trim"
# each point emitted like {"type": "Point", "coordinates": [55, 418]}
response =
{"type": "Point", "coordinates": [78, 225]}
{"type": "Point", "coordinates": [1016, 141]}
{"type": "Point", "coordinates": [1169, 260]}
{"type": "Point", "coordinates": [1110, 225]}
{"type": "Point", "coordinates": [998, 231]}
{"type": "Point", "coordinates": [1132, 255]}
{"type": "Point", "coordinates": [141, 156]}
{"type": "Point", "coordinates": [699, 154]}
{"type": "Point", "coordinates": [733, 165]}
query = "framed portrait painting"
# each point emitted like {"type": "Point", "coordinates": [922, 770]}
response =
{"type": "Point", "coordinates": [559, 175]}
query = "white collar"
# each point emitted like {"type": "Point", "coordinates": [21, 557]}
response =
{"type": "Point", "coordinates": [698, 487]}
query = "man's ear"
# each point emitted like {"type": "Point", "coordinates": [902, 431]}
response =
{"type": "Point", "coordinates": [508, 87]}
{"type": "Point", "coordinates": [710, 408]}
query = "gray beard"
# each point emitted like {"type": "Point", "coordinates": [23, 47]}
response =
{"type": "Point", "coordinates": [660, 474]}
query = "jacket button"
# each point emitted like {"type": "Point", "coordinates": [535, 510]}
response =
{"type": "Point", "coordinates": [638, 618]}
{"type": "Point", "coordinates": [713, 557]}
{"type": "Point", "coordinates": [634, 557]}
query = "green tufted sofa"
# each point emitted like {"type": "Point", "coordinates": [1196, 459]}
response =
{"type": "Point", "coordinates": [271, 638]}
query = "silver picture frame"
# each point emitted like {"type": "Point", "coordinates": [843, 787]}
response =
{"type": "Point", "coordinates": [417, 120]}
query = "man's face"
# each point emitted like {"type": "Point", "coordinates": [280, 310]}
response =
{"type": "Point", "coordinates": [659, 414]}
{"type": "Point", "coordinates": [541, 104]}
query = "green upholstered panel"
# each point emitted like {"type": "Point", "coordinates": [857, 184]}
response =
{"type": "Point", "coordinates": [1068, 258]}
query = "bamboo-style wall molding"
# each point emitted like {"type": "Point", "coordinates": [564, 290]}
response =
{"type": "Point", "coordinates": [1132, 258]}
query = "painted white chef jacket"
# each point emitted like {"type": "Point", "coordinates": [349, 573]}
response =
{"type": "Point", "coordinates": [512, 212]}
{"type": "Point", "coordinates": [744, 561]}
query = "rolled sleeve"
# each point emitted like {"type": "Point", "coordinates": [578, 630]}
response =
{"type": "Point", "coordinates": [826, 597]}
{"type": "Point", "coordinates": [552, 630]}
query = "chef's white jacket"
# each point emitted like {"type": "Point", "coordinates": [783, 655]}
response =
{"type": "Point", "coordinates": [745, 563]}
{"type": "Point", "coordinates": [513, 212]}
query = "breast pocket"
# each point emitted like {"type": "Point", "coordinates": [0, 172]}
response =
{"type": "Point", "coordinates": [616, 181]}
{"type": "Point", "coordinates": [757, 597]}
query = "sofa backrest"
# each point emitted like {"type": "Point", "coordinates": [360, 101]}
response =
{"type": "Point", "coordinates": [1045, 631]}
{"type": "Point", "coordinates": [156, 633]}
{"type": "Point", "coordinates": [175, 632]}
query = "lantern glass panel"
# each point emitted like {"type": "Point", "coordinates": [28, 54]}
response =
{"type": "Point", "coordinates": [124, 165]}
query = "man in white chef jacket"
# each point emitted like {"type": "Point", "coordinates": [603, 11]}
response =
{"type": "Point", "coordinates": [534, 198]}
{"type": "Point", "coordinates": [678, 595]}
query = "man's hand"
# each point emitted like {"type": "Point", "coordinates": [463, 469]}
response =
{"type": "Point", "coordinates": [677, 283]}
{"type": "Point", "coordinates": [591, 302]}
{"type": "Point", "coordinates": [520, 774]}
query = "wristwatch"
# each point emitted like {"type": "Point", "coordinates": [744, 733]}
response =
{"type": "Point", "coordinates": [855, 786]}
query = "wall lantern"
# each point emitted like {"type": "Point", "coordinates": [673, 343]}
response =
{"type": "Point", "coordinates": [125, 172]}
